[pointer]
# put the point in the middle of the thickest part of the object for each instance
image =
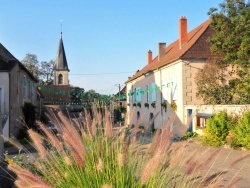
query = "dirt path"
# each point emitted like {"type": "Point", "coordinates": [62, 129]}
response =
{"type": "Point", "coordinates": [223, 162]}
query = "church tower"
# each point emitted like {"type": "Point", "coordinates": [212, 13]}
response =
{"type": "Point", "coordinates": [61, 70]}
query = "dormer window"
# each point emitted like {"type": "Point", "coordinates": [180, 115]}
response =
{"type": "Point", "coordinates": [60, 79]}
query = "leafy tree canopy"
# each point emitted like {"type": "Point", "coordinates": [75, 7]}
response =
{"type": "Point", "coordinates": [227, 79]}
{"type": "Point", "coordinates": [41, 70]}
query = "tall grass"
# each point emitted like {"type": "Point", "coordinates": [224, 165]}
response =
{"type": "Point", "coordinates": [92, 154]}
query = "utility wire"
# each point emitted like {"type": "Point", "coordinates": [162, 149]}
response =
{"type": "Point", "coordinates": [101, 73]}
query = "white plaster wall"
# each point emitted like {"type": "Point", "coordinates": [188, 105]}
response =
{"type": "Point", "coordinates": [161, 77]}
{"type": "Point", "coordinates": [212, 109]}
{"type": "Point", "coordinates": [4, 85]}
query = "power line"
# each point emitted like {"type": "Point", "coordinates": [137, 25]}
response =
{"type": "Point", "coordinates": [91, 74]}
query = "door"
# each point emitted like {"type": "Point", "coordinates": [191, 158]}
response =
{"type": "Point", "coordinates": [151, 116]}
{"type": "Point", "coordinates": [190, 112]}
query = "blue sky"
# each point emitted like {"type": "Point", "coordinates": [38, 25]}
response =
{"type": "Point", "coordinates": [100, 36]}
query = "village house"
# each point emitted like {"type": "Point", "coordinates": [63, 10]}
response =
{"type": "Point", "coordinates": [17, 87]}
{"type": "Point", "coordinates": [167, 82]}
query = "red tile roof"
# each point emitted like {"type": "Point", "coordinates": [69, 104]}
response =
{"type": "Point", "coordinates": [174, 52]}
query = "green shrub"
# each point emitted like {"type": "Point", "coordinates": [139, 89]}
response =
{"type": "Point", "coordinates": [217, 129]}
{"type": "Point", "coordinates": [189, 135]}
{"type": "Point", "coordinates": [241, 132]}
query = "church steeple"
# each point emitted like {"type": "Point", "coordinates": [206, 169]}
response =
{"type": "Point", "coordinates": [61, 60]}
{"type": "Point", "coordinates": [61, 66]}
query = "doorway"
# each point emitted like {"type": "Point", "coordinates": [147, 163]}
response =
{"type": "Point", "coordinates": [190, 126]}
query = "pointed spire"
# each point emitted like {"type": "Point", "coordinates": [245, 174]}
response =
{"type": "Point", "coordinates": [61, 61]}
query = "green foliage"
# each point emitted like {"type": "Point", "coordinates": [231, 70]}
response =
{"type": "Point", "coordinates": [217, 129]}
{"type": "Point", "coordinates": [230, 44]}
{"type": "Point", "coordinates": [42, 71]}
{"type": "Point", "coordinates": [241, 132]}
{"type": "Point", "coordinates": [190, 135]}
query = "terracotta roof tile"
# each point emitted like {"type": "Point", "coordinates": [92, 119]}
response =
{"type": "Point", "coordinates": [174, 52]}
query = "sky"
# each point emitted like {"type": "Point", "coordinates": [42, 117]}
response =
{"type": "Point", "coordinates": [105, 41]}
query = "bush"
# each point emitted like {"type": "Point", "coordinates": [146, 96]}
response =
{"type": "Point", "coordinates": [189, 135]}
{"type": "Point", "coordinates": [241, 133]}
{"type": "Point", "coordinates": [217, 129]}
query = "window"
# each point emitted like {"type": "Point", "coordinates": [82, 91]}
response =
{"type": "Point", "coordinates": [60, 79]}
{"type": "Point", "coordinates": [24, 86]}
{"type": "Point", "coordinates": [29, 90]}
{"type": "Point", "coordinates": [147, 93]}
{"type": "Point", "coordinates": [138, 94]}
{"type": "Point", "coordinates": [201, 120]}
{"type": "Point", "coordinates": [153, 87]}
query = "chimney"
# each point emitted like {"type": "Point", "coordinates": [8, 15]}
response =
{"type": "Point", "coordinates": [183, 31]}
{"type": "Point", "coordinates": [161, 50]}
{"type": "Point", "coordinates": [150, 58]}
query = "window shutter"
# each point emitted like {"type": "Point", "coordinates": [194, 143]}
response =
{"type": "Point", "coordinates": [138, 94]}
{"type": "Point", "coordinates": [164, 92]}
{"type": "Point", "coordinates": [147, 93]}
{"type": "Point", "coordinates": [174, 88]}
{"type": "Point", "coordinates": [153, 89]}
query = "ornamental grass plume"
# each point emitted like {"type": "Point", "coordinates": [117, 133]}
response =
{"type": "Point", "coordinates": [90, 152]}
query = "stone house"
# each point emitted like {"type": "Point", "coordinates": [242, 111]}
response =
{"type": "Point", "coordinates": [17, 86]}
{"type": "Point", "coordinates": [167, 81]}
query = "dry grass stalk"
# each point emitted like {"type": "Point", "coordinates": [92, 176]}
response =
{"type": "Point", "coordinates": [77, 123]}
{"type": "Point", "coordinates": [68, 127]}
{"type": "Point", "coordinates": [78, 151]}
{"type": "Point", "coordinates": [136, 128]}
{"type": "Point", "coordinates": [233, 183]}
{"type": "Point", "coordinates": [155, 141]}
{"type": "Point", "coordinates": [97, 115]}
{"type": "Point", "coordinates": [126, 147]}
{"type": "Point", "coordinates": [163, 142]}
{"type": "Point", "coordinates": [27, 177]}
{"type": "Point", "coordinates": [211, 158]}
{"type": "Point", "coordinates": [38, 142]}
{"type": "Point", "coordinates": [106, 186]}
{"type": "Point", "coordinates": [52, 138]}
{"type": "Point", "coordinates": [150, 168]}
{"type": "Point", "coordinates": [94, 129]}
{"type": "Point", "coordinates": [88, 122]}
{"type": "Point", "coordinates": [67, 160]}
{"type": "Point", "coordinates": [21, 184]}
{"type": "Point", "coordinates": [108, 130]}
{"type": "Point", "coordinates": [100, 165]}
{"type": "Point", "coordinates": [148, 126]}
{"type": "Point", "coordinates": [236, 161]}
{"type": "Point", "coordinates": [178, 153]}
{"type": "Point", "coordinates": [132, 114]}
{"type": "Point", "coordinates": [121, 159]}
{"type": "Point", "coordinates": [14, 142]}
{"type": "Point", "coordinates": [73, 139]}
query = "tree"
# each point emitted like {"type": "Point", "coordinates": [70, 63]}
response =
{"type": "Point", "coordinates": [46, 70]}
{"type": "Point", "coordinates": [76, 94]}
{"type": "Point", "coordinates": [32, 64]}
{"type": "Point", "coordinates": [211, 85]}
{"type": "Point", "coordinates": [231, 45]}
{"type": "Point", "coordinates": [40, 70]}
